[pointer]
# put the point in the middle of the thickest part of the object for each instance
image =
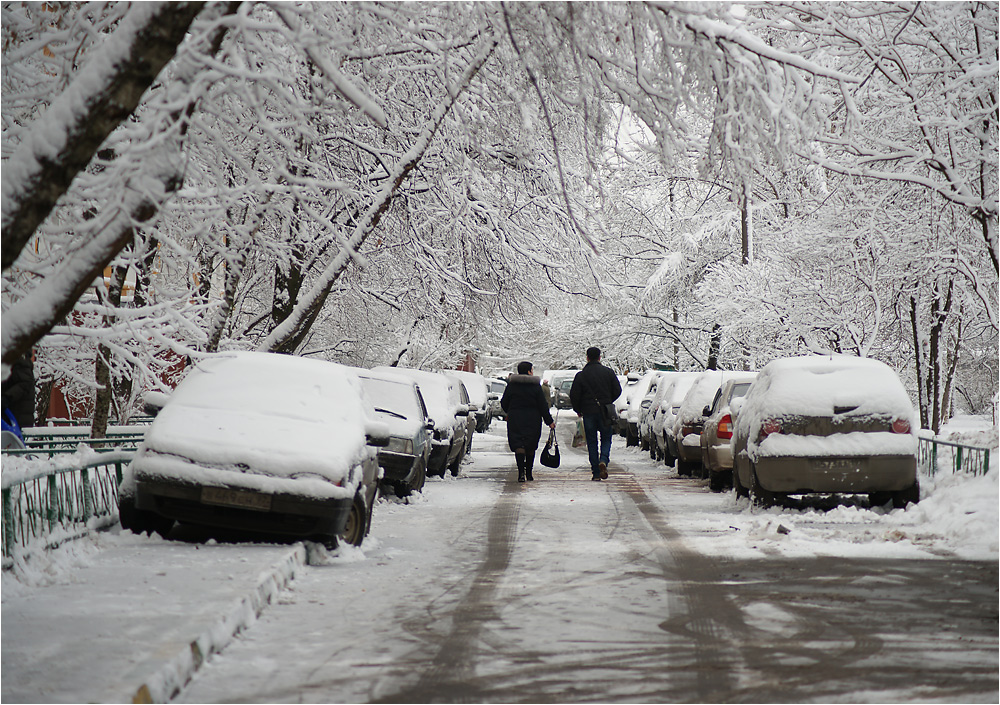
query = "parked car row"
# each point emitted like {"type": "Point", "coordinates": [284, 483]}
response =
{"type": "Point", "coordinates": [287, 446]}
{"type": "Point", "coordinates": [804, 425]}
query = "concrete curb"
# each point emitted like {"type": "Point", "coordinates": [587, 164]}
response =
{"type": "Point", "coordinates": [168, 681]}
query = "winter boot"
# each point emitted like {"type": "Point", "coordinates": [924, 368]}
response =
{"type": "Point", "coordinates": [527, 473]}
{"type": "Point", "coordinates": [519, 456]}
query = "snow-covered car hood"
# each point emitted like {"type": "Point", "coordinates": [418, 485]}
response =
{"type": "Point", "coordinates": [261, 414]}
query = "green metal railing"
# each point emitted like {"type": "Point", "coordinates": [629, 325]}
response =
{"type": "Point", "coordinates": [934, 454]}
{"type": "Point", "coordinates": [40, 497]}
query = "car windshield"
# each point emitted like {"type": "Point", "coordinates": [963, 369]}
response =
{"type": "Point", "coordinates": [394, 397]}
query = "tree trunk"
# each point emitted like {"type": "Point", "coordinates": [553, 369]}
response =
{"type": "Point", "coordinates": [714, 345]}
{"type": "Point", "coordinates": [102, 363]}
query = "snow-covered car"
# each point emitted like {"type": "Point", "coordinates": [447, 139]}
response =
{"type": "Point", "coordinates": [399, 404]}
{"type": "Point", "coordinates": [470, 416]}
{"type": "Point", "coordinates": [497, 387]}
{"type": "Point", "coordinates": [670, 404]}
{"type": "Point", "coordinates": [478, 388]}
{"type": "Point", "coordinates": [652, 423]}
{"type": "Point", "coordinates": [647, 407]}
{"type": "Point", "coordinates": [259, 442]}
{"type": "Point", "coordinates": [634, 409]}
{"type": "Point", "coordinates": [717, 433]}
{"type": "Point", "coordinates": [621, 403]}
{"type": "Point", "coordinates": [690, 419]}
{"type": "Point", "coordinates": [828, 425]}
{"type": "Point", "coordinates": [450, 416]}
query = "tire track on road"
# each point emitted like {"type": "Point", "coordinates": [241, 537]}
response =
{"type": "Point", "coordinates": [451, 674]}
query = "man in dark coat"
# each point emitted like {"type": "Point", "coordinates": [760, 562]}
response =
{"type": "Point", "coordinates": [19, 392]}
{"type": "Point", "coordinates": [594, 386]}
{"type": "Point", "coordinates": [525, 405]}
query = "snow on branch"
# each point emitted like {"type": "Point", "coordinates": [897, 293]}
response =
{"type": "Point", "coordinates": [102, 95]}
{"type": "Point", "coordinates": [290, 332]}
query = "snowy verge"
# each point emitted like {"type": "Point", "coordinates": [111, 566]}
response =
{"type": "Point", "coordinates": [168, 681]}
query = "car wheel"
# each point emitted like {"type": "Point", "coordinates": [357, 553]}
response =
{"type": "Point", "coordinates": [760, 497]}
{"type": "Point", "coordinates": [911, 495]}
{"type": "Point", "coordinates": [417, 482]}
{"type": "Point", "coordinates": [738, 487]}
{"type": "Point", "coordinates": [355, 528]}
{"type": "Point", "coordinates": [879, 499]}
{"type": "Point", "coordinates": [684, 468]}
{"type": "Point", "coordinates": [718, 481]}
{"type": "Point", "coordinates": [456, 466]}
{"type": "Point", "coordinates": [140, 521]}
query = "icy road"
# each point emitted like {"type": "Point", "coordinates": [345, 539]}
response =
{"type": "Point", "coordinates": [644, 588]}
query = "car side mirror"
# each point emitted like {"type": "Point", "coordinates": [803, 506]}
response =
{"type": "Point", "coordinates": [735, 405]}
{"type": "Point", "coordinates": [462, 410]}
{"type": "Point", "coordinates": [707, 411]}
{"type": "Point", "coordinates": [430, 425]}
{"type": "Point", "coordinates": [153, 401]}
{"type": "Point", "coordinates": [376, 441]}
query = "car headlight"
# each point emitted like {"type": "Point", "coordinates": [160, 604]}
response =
{"type": "Point", "coordinates": [400, 445]}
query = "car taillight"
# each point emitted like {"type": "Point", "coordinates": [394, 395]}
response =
{"type": "Point", "coordinates": [687, 429]}
{"type": "Point", "coordinates": [768, 427]}
{"type": "Point", "coordinates": [725, 428]}
{"type": "Point", "coordinates": [900, 426]}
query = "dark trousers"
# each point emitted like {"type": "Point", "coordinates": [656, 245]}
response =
{"type": "Point", "coordinates": [593, 425]}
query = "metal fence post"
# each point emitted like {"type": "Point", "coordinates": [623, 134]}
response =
{"type": "Point", "coordinates": [53, 502]}
{"type": "Point", "coordinates": [8, 523]}
{"type": "Point", "coordinates": [88, 494]}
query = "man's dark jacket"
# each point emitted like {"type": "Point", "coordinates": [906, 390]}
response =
{"type": "Point", "coordinates": [593, 385]}
{"type": "Point", "coordinates": [524, 402]}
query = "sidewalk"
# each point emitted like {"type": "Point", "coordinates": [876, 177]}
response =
{"type": "Point", "coordinates": [137, 620]}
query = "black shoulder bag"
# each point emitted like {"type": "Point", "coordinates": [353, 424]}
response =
{"type": "Point", "coordinates": [550, 453]}
{"type": "Point", "coordinates": [609, 414]}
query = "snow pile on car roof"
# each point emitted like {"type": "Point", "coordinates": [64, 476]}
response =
{"type": "Point", "coordinates": [279, 415]}
{"type": "Point", "coordinates": [818, 386]}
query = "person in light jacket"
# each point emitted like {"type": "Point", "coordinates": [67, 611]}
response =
{"type": "Point", "coordinates": [594, 386]}
{"type": "Point", "coordinates": [524, 402]}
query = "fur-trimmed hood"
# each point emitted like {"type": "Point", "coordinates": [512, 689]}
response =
{"type": "Point", "coordinates": [523, 379]}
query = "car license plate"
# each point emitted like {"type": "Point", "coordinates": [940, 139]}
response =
{"type": "Point", "coordinates": [236, 498]}
{"type": "Point", "coordinates": [839, 465]}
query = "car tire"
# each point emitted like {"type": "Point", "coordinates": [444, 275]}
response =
{"type": "Point", "coordinates": [684, 468]}
{"type": "Point", "coordinates": [879, 499]}
{"type": "Point", "coordinates": [911, 495]}
{"type": "Point", "coordinates": [418, 479]}
{"type": "Point", "coordinates": [456, 466]}
{"type": "Point", "coordinates": [738, 487]}
{"type": "Point", "coordinates": [718, 481]}
{"type": "Point", "coordinates": [357, 521]}
{"type": "Point", "coordinates": [140, 521]}
{"type": "Point", "coordinates": [760, 497]}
